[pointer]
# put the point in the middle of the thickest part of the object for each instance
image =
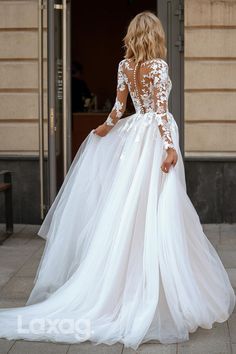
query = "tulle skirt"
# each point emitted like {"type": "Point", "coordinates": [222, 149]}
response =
{"type": "Point", "coordinates": [126, 259]}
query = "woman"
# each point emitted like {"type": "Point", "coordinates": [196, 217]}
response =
{"type": "Point", "coordinates": [126, 259]}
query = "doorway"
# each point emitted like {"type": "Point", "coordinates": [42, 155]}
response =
{"type": "Point", "coordinates": [85, 44]}
{"type": "Point", "coordinates": [96, 41]}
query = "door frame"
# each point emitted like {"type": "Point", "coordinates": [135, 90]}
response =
{"type": "Point", "coordinates": [58, 97]}
{"type": "Point", "coordinates": [171, 14]}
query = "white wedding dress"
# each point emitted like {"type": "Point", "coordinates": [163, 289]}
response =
{"type": "Point", "coordinates": [126, 258]}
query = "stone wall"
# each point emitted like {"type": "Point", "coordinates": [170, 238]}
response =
{"type": "Point", "coordinates": [19, 77]}
{"type": "Point", "coordinates": [210, 77]}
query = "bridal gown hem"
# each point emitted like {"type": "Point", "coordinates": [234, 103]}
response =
{"type": "Point", "coordinates": [125, 259]}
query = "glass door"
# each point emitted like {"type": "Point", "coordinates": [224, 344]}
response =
{"type": "Point", "coordinates": [58, 98]}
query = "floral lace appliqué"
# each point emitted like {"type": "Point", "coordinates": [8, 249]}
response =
{"type": "Point", "coordinates": [151, 95]}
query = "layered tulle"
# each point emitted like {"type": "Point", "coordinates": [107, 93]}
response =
{"type": "Point", "coordinates": [125, 251]}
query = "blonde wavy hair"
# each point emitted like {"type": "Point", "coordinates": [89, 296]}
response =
{"type": "Point", "coordinates": [145, 38]}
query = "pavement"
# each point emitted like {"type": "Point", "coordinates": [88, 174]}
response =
{"type": "Point", "coordinates": [20, 254]}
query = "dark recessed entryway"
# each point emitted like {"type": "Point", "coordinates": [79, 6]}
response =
{"type": "Point", "coordinates": [96, 36]}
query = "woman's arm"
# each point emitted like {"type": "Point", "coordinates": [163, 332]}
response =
{"type": "Point", "coordinates": [119, 106]}
{"type": "Point", "coordinates": [160, 98]}
{"type": "Point", "coordinates": [121, 98]}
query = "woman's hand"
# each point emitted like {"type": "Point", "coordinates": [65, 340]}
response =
{"type": "Point", "coordinates": [102, 129]}
{"type": "Point", "coordinates": [171, 159]}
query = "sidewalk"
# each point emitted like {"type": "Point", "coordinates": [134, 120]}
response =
{"type": "Point", "coordinates": [19, 258]}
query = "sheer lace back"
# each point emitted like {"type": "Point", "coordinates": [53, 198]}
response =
{"type": "Point", "coordinates": [149, 86]}
{"type": "Point", "coordinates": [144, 80]}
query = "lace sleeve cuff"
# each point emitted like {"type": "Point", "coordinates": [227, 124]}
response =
{"type": "Point", "coordinates": [165, 124]}
{"type": "Point", "coordinates": [109, 121]}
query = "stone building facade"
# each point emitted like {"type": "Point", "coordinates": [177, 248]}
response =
{"type": "Point", "coordinates": [209, 106]}
{"type": "Point", "coordinates": [210, 78]}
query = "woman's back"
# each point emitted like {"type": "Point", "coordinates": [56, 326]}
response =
{"type": "Point", "coordinates": [149, 86]}
{"type": "Point", "coordinates": [148, 83]}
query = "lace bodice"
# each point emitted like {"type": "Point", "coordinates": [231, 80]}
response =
{"type": "Point", "coordinates": [149, 86]}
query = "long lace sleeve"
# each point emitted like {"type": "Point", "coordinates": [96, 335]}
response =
{"type": "Point", "coordinates": [160, 99]}
{"type": "Point", "coordinates": [121, 98]}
